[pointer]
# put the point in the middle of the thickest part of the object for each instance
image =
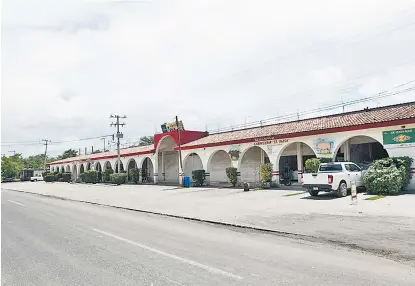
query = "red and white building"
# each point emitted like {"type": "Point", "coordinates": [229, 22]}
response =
{"type": "Point", "coordinates": [359, 136]}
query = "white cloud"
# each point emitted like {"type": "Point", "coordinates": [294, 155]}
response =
{"type": "Point", "coordinates": [68, 64]}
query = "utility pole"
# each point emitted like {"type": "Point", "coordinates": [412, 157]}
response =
{"type": "Point", "coordinates": [46, 152]}
{"type": "Point", "coordinates": [180, 145]}
{"type": "Point", "coordinates": [104, 144]}
{"type": "Point", "coordinates": [119, 135]}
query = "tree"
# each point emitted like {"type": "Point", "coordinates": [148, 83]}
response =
{"type": "Point", "coordinates": [37, 161]}
{"type": "Point", "coordinates": [146, 140]}
{"type": "Point", "coordinates": [68, 154]}
{"type": "Point", "coordinates": [12, 166]}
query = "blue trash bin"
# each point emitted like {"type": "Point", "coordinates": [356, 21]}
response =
{"type": "Point", "coordinates": [186, 182]}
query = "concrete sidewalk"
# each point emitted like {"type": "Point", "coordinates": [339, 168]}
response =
{"type": "Point", "coordinates": [385, 226]}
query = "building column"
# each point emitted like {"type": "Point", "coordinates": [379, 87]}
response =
{"type": "Point", "coordinates": [262, 156]}
{"type": "Point", "coordinates": [346, 151]}
{"type": "Point", "coordinates": [181, 172]}
{"type": "Point", "coordinates": [163, 171]}
{"type": "Point", "coordinates": [155, 168]}
{"type": "Point", "coordinates": [300, 162]}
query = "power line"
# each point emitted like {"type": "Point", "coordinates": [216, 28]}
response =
{"type": "Point", "coordinates": [294, 116]}
{"type": "Point", "coordinates": [119, 135]}
{"type": "Point", "coordinates": [51, 141]}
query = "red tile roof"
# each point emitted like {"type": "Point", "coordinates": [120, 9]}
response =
{"type": "Point", "coordinates": [107, 155]}
{"type": "Point", "coordinates": [355, 118]}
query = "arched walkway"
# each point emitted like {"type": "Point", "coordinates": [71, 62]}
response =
{"type": "Point", "coordinates": [147, 171]}
{"type": "Point", "coordinates": [130, 165]}
{"type": "Point", "coordinates": [291, 160]}
{"type": "Point", "coordinates": [217, 164]}
{"type": "Point", "coordinates": [168, 160]}
{"type": "Point", "coordinates": [98, 168]}
{"type": "Point", "coordinates": [250, 162]}
{"type": "Point", "coordinates": [81, 169]}
{"type": "Point", "coordinates": [68, 169]}
{"type": "Point", "coordinates": [107, 165]}
{"type": "Point", "coordinates": [88, 166]}
{"type": "Point", "coordinates": [191, 163]}
{"type": "Point", "coordinates": [62, 169]}
{"type": "Point", "coordinates": [360, 149]}
{"type": "Point", "coordinates": [121, 167]}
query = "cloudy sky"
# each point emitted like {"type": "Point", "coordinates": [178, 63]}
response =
{"type": "Point", "coordinates": [67, 65]}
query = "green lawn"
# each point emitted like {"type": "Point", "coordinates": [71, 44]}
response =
{"type": "Point", "coordinates": [375, 198]}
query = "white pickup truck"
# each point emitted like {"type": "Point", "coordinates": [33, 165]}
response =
{"type": "Point", "coordinates": [37, 177]}
{"type": "Point", "coordinates": [337, 176]}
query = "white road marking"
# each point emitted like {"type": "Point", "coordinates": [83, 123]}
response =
{"type": "Point", "coordinates": [17, 203]}
{"type": "Point", "coordinates": [181, 259]}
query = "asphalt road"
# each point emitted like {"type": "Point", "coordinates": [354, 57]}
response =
{"type": "Point", "coordinates": [47, 241]}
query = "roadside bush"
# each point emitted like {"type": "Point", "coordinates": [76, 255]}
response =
{"type": "Point", "coordinates": [106, 175]}
{"type": "Point", "coordinates": [404, 166]}
{"type": "Point", "coordinates": [232, 174]}
{"type": "Point", "coordinates": [90, 177]}
{"type": "Point", "coordinates": [383, 180]}
{"type": "Point", "coordinates": [44, 174]}
{"type": "Point", "coordinates": [266, 172]}
{"type": "Point", "coordinates": [118, 178]}
{"type": "Point", "coordinates": [49, 178]}
{"type": "Point", "coordinates": [82, 177]}
{"type": "Point", "coordinates": [58, 176]}
{"type": "Point", "coordinates": [198, 176]}
{"type": "Point", "coordinates": [67, 177]}
{"type": "Point", "coordinates": [134, 175]}
{"type": "Point", "coordinates": [311, 165]}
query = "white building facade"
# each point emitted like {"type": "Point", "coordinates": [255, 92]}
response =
{"type": "Point", "coordinates": [360, 136]}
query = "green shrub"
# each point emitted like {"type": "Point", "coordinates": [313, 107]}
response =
{"type": "Point", "coordinates": [67, 177]}
{"type": "Point", "coordinates": [198, 176]}
{"type": "Point", "coordinates": [44, 174]}
{"type": "Point", "coordinates": [383, 180]}
{"type": "Point", "coordinates": [49, 178]}
{"type": "Point", "coordinates": [266, 172]}
{"type": "Point", "coordinates": [82, 177]}
{"type": "Point", "coordinates": [58, 176]}
{"type": "Point", "coordinates": [232, 174]}
{"type": "Point", "coordinates": [404, 166]}
{"type": "Point", "coordinates": [311, 165]}
{"type": "Point", "coordinates": [90, 177]}
{"type": "Point", "coordinates": [106, 175]}
{"type": "Point", "coordinates": [134, 175]}
{"type": "Point", "coordinates": [118, 178]}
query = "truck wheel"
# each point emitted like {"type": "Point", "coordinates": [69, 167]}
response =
{"type": "Point", "coordinates": [342, 190]}
{"type": "Point", "coordinates": [313, 193]}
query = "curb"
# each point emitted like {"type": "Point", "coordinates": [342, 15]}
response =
{"type": "Point", "coordinates": [396, 256]}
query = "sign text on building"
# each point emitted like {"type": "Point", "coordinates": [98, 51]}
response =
{"type": "Point", "coordinates": [403, 136]}
{"type": "Point", "coordinates": [267, 141]}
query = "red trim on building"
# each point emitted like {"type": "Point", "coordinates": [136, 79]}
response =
{"type": "Point", "coordinates": [306, 133]}
{"type": "Point", "coordinates": [102, 157]}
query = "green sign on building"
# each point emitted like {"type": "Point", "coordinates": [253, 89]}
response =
{"type": "Point", "coordinates": [403, 136]}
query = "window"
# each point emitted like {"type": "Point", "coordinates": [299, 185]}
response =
{"type": "Point", "coordinates": [331, 168]}
{"type": "Point", "coordinates": [352, 168]}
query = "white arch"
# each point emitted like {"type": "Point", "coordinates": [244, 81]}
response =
{"type": "Point", "coordinates": [129, 161]}
{"type": "Point", "coordinates": [187, 169]}
{"type": "Point", "coordinates": [163, 139]}
{"type": "Point", "coordinates": [219, 175]}
{"type": "Point", "coordinates": [68, 168]}
{"type": "Point", "coordinates": [348, 138]}
{"type": "Point", "coordinates": [122, 166]}
{"type": "Point", "coordinates": [246, 150]}
{"type": "Point", "coordinates": [107, 165]}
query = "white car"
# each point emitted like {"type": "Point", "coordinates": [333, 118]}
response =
{"type": "Point", "coordinates": [36, 178]}
{"type": "Point", "coordinates": [336, 176]}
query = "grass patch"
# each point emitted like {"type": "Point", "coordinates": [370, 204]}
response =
{"type": "Point", "coordinates": [374, 198]}
{"type": "Point", "coordinates": [294, 194]}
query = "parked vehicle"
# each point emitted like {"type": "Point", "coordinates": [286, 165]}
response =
{"type": "Point", "coordinates": [337, 176]}
{"type": "Point", "coordinates": [7, 180]}
{"type": "Point", "coordinates": [36, 178]}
